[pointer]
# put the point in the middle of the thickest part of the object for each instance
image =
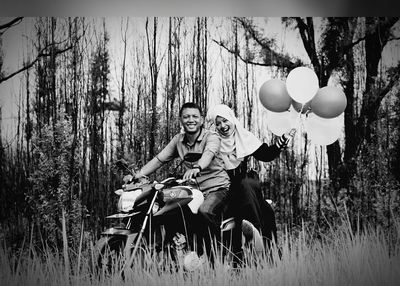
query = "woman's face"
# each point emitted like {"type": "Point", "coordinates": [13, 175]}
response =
{"type": "Point", "coordinates": [224, 126]}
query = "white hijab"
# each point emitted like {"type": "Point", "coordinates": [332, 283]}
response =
{"type": "Point", "coordinates": [238, 145]}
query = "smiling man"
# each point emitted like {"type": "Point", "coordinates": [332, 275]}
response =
{"type": "Point", "coordinates": [208, 171]}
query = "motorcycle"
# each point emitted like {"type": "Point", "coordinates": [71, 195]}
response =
{"type": "Point", "coordinates": [156, 218]}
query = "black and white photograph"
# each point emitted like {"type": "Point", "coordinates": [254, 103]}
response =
{"type": "Point", "coordinates": [175, 146]}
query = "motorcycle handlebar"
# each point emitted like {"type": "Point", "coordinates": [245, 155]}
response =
{"type": "Point", "coordinates": [190, 181]}
{"type": "Point", "coordinates": [131, 183]}
{"type": "Point", "coordinates": [178, 181]}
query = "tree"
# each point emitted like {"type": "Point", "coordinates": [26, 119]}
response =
{"type": "Point", "coordinates": [50, 180]}
{"type": "Point", "coordinates": [173, 76]}
{"type": "Point", "coordinates": [152, 53]}
{"type": "Point", "coordinates": [95, 123]}
{"type": "Point", "coordinates": [121, 109]}
{"type": "Point", "coordinates": [337, 54]}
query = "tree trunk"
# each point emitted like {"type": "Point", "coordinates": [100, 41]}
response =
{"type": "Point", "coordinates": [152, 51]}
{"type": "Point", "coordinates": [235, 69]}
{"type": "Point", "coordinates": [53, 70]}
{"type": "Point", "coordinates": [121, 151]}
{"type": "Point", "coordinates": [204, 62]}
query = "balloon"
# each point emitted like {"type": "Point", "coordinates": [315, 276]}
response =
{"type": "Point", "coordinates": [329, 102]}
{"type": "Point", "coordinates": [304, 108]}
{"type": "Point", "coordinates": [274, 96]}
{"type": "Point", "coordinates": [322, 131]}
{"type": "Point", "coordinates": [302, 84]}
{"type": "Point", "coordinates": [279, 122]}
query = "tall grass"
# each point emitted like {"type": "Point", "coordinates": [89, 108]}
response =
{"type": "Point", "coordinates": [341, 257]}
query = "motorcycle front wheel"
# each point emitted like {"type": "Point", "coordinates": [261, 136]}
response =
{"type": "Point", "coordinates": [111, 255]}
{"type": "Point", "coordinates": [108, 256]}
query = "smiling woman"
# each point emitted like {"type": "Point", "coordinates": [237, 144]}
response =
{"type": "Point", "coordinates": [224, 126]}
{"type": "Point", "coordinates": [246, 198]}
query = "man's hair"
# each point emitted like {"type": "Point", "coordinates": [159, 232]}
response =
{"type": "Point", "coordinates": [190, 105]}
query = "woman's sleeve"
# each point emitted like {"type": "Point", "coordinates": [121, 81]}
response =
{"type": "Point", "coordinates": [266, 153]}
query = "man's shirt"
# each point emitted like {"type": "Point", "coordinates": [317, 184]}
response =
{"type": "Point", "coordinates": [213, 176]}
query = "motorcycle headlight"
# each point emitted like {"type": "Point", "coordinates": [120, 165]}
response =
{"type": "Point", "coordinates": [127, 200]}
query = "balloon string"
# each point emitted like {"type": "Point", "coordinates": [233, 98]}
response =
{"type": "Point", "coordinates": [300, 117]}
{"type": "Point", "coordinates": [300, 124]}
{"type": "Point", "coordinates": [301, 109]}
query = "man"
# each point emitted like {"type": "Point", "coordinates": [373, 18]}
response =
{"type": "Point", "coordinates": [208, 171]}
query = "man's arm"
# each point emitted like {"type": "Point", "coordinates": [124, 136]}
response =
{"type": "Point", "coordinates": [166, 155]}
{"type": "Point", "coordinates": [149, 168]}
{"type": "Point", "coordinates": [211, 148]}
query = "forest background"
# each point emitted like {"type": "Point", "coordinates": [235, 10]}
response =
{"type": "Point", "coordinates": [79, 93]}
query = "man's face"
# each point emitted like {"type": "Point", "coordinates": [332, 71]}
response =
{"type": "Point", "coordinates": [191, 120]}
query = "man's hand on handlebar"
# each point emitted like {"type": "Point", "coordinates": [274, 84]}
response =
{"type": "Point", "coordinates": [135, 177]}
{"type": "Point", "coordinates": [191, 173]}
{"type": "Point", "coordinates": [138, 175]}
{"type": "Point", "coordinates": [128, 178]}
{"type": "Point", "coordinates": [135, 180]}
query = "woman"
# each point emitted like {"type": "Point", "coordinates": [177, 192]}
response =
{"type": "Point", "coordinates": [246, 201]}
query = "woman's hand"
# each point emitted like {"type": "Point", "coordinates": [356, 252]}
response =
{"type": "Point", "coordinates": [284, 140]}
{"type": "Point", "coordinates": [281, 143]}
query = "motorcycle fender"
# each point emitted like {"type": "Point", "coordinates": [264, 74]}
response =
{"type": "Point", "coordinates": [122, 215]}
{"type": "Point", "coordinates": [170, 205]}
{"type": "Point", "coordinates": [198, 199]}
{"type": "Point", "coordinates": [117, 231]}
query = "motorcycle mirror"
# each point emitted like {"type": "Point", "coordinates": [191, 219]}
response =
{"type": "Point", "coordinates": [124, 166]}
{"type": "Point", "coordinates": [121, 164]}
{"type": "Point", "coordinates": [192, 156]}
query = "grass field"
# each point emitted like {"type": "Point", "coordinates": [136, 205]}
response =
{"type": "Point", "coordinates": [341, 257]}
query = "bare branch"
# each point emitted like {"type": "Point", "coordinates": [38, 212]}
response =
{"type": "Point", "coordinates": [389, 22]}
{"type": "Point", "coordinates": [25, 67]}
{"type": "Point", "coordinates": [267, 47]}
{"type": "Point", "coordinates": [6, 26]}
{"type": "Point", "coordinates": [394, 39]}
{"type": "Point", "coordinates": [221, 44]}
{"type": "Point", "coordinates": [255, 35]}
{"type": "Point", "coordinates": [41, 54]}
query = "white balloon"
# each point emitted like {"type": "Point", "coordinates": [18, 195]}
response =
{"type": "Point", "coordinates": [302, 84]}
{"type": "Point", "coordinates": [322, 131]}
{"type": "Point", "coordinates": [279, 122]}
